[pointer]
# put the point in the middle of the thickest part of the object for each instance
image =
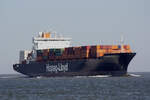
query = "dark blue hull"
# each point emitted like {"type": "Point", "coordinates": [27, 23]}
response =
{"type": "Point", "coordinates": [109, 64]}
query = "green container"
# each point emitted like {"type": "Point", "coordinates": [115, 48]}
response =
{"type": "Point", "coordinates": [45, 57]}
{"type": "Point", "coordinates": [56, 52]}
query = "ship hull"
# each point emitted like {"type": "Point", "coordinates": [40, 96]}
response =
{"type": "Point", "coordinates": [109, 64]}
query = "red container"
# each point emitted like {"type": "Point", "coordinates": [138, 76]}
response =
{"type": "Point", "coordinates": [106, 46]}
{"type": "Point", "coordinates": [39, 58]}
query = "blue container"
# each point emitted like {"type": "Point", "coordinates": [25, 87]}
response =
{"type": "Point", "coordinates": [119, 46]}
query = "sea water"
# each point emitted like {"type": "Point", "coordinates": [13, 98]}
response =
{"type": "Point", "coordinates": [17, 87]}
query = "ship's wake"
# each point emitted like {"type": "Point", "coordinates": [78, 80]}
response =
{"type": "Point", "coordinates": [100, 76]}
{"type": "Point", "coordinates": [11, 76]}
{"type": "Point", "coordinates": [134, 75]}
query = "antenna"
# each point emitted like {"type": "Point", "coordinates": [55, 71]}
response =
{"type": "Point", "coordinates": [122, 39]}
{"type": "Point", "coordinates": [54, 34]}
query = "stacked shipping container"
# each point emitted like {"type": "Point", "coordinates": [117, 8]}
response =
{"type": "Point", "coordinates": [82, 52]}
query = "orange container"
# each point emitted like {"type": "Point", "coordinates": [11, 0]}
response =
{"type": "Point", "coordinates": [46, 35]}
{"type": "Point", "coordinates": [109, 50]}
{"type": "Point", "coordinates": [128, 51]}
{"type": "Point", "coordinates": [116, 51]}
{"type": "Point", "coordinates": [98, 47]}
{"type": "Point", "coordinates": [114, 47]}
{"type": "Point", "coordinates": [128, 47]}
{"type": "Point", "coordinates": [100, 53]}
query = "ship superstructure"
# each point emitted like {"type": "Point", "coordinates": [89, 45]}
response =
{"type": "Point", "coordinates": [44, 40]}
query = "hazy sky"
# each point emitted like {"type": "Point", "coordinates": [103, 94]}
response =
{"type": "Point", "coordinates": [86, 21]}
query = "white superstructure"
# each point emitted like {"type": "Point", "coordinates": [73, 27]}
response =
{"type": "Point", "coordinates": [45, 41]}
{"type": "Point", "coordinates": [23, 55]}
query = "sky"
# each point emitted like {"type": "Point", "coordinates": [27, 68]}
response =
{"type": "Point", "coordinates": [87, 22]}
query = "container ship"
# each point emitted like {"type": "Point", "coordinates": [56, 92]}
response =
{"type": "Point", "coordinates": [53, 56]}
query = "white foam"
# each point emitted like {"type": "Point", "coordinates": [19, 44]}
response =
{"type": "Point", "coordinates": [80, 76]}
{"type": "Point", "coordinates": [134, 75]}
{"type": "Point", "coordinates": [38, 77]}
{"type": "Point", "coordinates": [10, 77]}
{"type": "Point", "coordinates": [4, 77]}
{"type": "Point", "coordinates": [100, 76]}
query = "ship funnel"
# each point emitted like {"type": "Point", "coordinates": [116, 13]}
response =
{"type": "Point", "coordinates": [44, 34]}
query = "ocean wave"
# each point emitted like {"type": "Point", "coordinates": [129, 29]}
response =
{"type": "Point", "coordinates": [11, 76]}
